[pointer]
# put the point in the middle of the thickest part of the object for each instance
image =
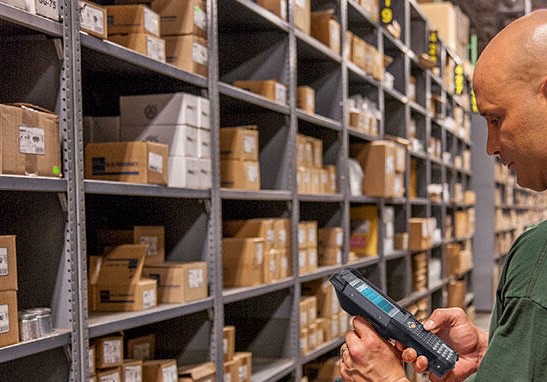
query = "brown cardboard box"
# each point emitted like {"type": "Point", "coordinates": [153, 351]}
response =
{"type": "Point", "coordinates": [151, 236]}
{"type": "Point", "coordinates": [323, 292]}
{"type": "Point", "coordinates": [320, 334]}
{"type": "Point", "coordinates": [317, 152]}
{"type": "Point", "coordinates": [311, 233]}
{"type": "Point", "coordinates": [93, 19]}
{"type": "Point", "coordinates": [160, 370]}
{"type": "Point", "coordinates": [244, 366]}
{"type": "Point", "coordinates": [461, 224]}
{"type": "Point", "coordinates": [239, 143]}
{"type": "Point", "coordinates": [358, 51]}
{"type": "Point", "coordinates": [312, 259]}
{"type": "Point", "coordinates": [241, 175]}
{"type": "Point", "coordinates": [456, 294]}
{"type": "Point", "coordinates": [91, 359]}
{"type": "Point", "coordinates": [330, 237]}
{"type": "Point", "coordinates": [179, 282]}
{"type": "Point", "coordinates": [305, 99]}
{"type": "Point", "coordinates": [302, 15]}
{"type": "Point", "coordinates": [378, 162]}
{"type": "Point", "coordinates": [110, 374]}
{"type": "Point", "coordinates": [108, 352]}
{"type": "Point", "coordinates": [282, 233]}
{"type": "Point", "coordinates": [9, 323]}
{"type": "Point", "coordinates": [330, 256]}
{"type": "Point", "coordinates": [122, 265]}
{"type": "Point", "coordinates": [303, 180]}
{"type": "Point", "coordinates": [203, 372]}
{"type": "Point", "coordinates": [277, 7]}
{"type": "Point", "coordinates": [29, 141]}
{"type": "Point", "coordinates": [304, 337]}
{"type": "Point", "coordinates": [8, 263]}
{"type": "Point", "coordinates": [270, 89]}
{"type": "Point", "coordinates": [331, 183]}
{"type": "Point", "coordinates": [230, 371]}
{"type": "Point", "coordinates": [326, 29]}
{"type": "Point", "coordinates": [420, 234]}
{"type": "Point", "coordinates": [143, 348]}
{"type": "Point", "coordinates": [269, 266]}
{"type": "Point", "coordinates": [364, 230]}
{"type": "Point", "coordinates": [250, 228]}
{"type": "Point", "coordinates": [303, 261]}
{"type": "Point", "coordinates": [126, 297]}
{"type": "Point", "coordinates": [304, 307]}
{"type": "Point", "coordinates": [242, 261]}
{"type": "Point", "coordinates": [135, 162]}
{"type": "Point", "coordinates": [286, 264]}
{"type": "Point", "coordinates": [131, 370]}
{"type": "Point", "coordinates": [187, 52]}
{"type": "Point", "coordinates": [229, 342]}
{"type": "Point", "coordinates": [401, 241]}
{"type": "Point", "coordinates": [182, 17]}
{"type": "Point", "coordinates": [148, 45]}
{"type": "Point", "coordinates": [312, 336]}
{"type": "Point", "coordinates": [302, 158]}
{"type": "Point", "coordinates": [132, 18]}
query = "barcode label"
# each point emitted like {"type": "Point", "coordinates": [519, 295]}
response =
{"type": "Point", "coordinates": [200, 18]}
{"type": "Point", "coordinates": [4, 318]}
{"type": "Point", "coordinates": [195, 278]}
{"type": "Point", "coordinates": [152, 242]}
{"type": "Point", "coordinates": [32, 140]}
{"type": "Point", "coordinates": [199, 54]}
{"type": "Point", "coordinates": [4, 270]}
{"type": "Point", "coordinates": [149, 299]}
{"type": "Point", "coordinates": [155, 163]}
{"type": "Point", "coordinates": [151, 22]}
{"type": "Point", "coordinates": [112, 352]}
{"type": "Point", "coordinates": [133, 373]}
{"type": "Point", "coordinates": [249, 144]}
{"type": "Point", "coordinates": [170, 374]}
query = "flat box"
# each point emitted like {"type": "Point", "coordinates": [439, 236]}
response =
{"type": "Point", "coordinates": [244, 365]}
{"type": "Point", "coordinates": [179, 282]}
{"type": "Point", "coordinates": [8, 263]}
{"type": "Point", "coordinates": [187, 52]}
{"type": "Point", "coordinates": [93, 19]}
{"type": "Point", "coordinates": [143, 347]}
{"type": "Point", "coordinates": [151, 236]}
{"type": "Point", "coordinates": [239, 143]}
{"type": "Point", "coordinates": [132, 370]}
{"type": "Point", "coordinates": [282, 233]}
{"type": "Point", "coordinates": [159, 109]}
{"type": "Point", "coordinates": [358, 51]}
{"type": "Point", "coordinates": [420, 234]}
{"type": "Point", "coordinates": [132, 18]}
{"type": "Point", "coordinates": [230, 371]}
{"type": "Point", "coordinates": [160, 370]}
{"type": "Point", "coordinates": [277, 7]}
{"type": "Point", "coordinates": [326, 29]}
{"type": "Point", "coordinates": [29, 141]}
{"type": "Point", "coordinates": [113, 374]}
{"type": "Point", "coordinates": [270, 89]}
{"type": "Point", "coordinates": [229, 342]}
{"type": "Point", "coordinates": [203, 372]}
{"type": "Point", "coordinates": [108, 351]}
{"type": "Point", "coordinates": [204, 144]}
{"type": "Point", "coordinates": [305, 99]}
{"type": "Point", "coordinates": [182, 140]}
{"type": "Point", "coordinates": [242, 261]}
{"type": "Point", "coordinates": [184, 172]}
{"type": "Point", "coordinates": [148, 45]}
{"type": "Point", "coordinates": [9, 322]}
{"type": "Point", "coordinates": [101, 129]}
{"type": "Point", "coordinates": [134, 162]}
{"type": "Point", "coordinates": [302, 15]}
{"type": "Point", "coordinates": [364, 231]}
{"type": "Point", "coordinates": [329, 256]}
{"type": "Point", "coordinates": [126, 298]}
{"type": "Point", "coordinates": [181, 17]}
{"type": "Point", "coordinates": [330, 237]}
{"type": "Point", "coordinates": [239, 174]}
{"type": "Point", "coordinates": [50, 9]}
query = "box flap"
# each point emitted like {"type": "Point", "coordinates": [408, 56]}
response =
{"type": "Point", "coordinates": [197, 371]}
{"type": "Point", "coordinates": [123, 265]}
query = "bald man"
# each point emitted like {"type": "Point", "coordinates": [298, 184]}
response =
{"type": "Point", "coordinates": [510, 83]}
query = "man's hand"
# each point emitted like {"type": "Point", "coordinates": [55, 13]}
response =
{"type": "Point", "coordinates": [454, 327]}
{"type": "Point", "coordinates": [367, 357]}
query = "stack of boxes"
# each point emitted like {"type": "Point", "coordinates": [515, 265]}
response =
{"type": "Point", "coordinates": [363, 115]}
{"type": "Point", "coordinates": [457, 261]}
{"type": "Point", "coordinates": [305, 99]}
{"type": "Point", "coordinates": [330, 241]}
{"type": "Point", "coordinates": [239, 166]}
{"type": "Point", "coordinates": [136, 27]}
{"type": "Point", "coordinates": [49, 9]}
{"type": "Point", "coordinates": [326, 29]}
{"type": "Point", "coordinates": [312, 176]}
{"type": "Point", "coordinates": [421, 233]}
{"type": "Point", "coordinates": [184, 28]}
{"type": "Point", "coordinates": [364, 231]}
{"type": "Point", "coordinates": [307, 247]}
{"type": "Point", "coordinates": [9, 325]}
{"type": "Point", "coordinates": [237, 365]}
{"type": "Point", "coordinates": [365, 56]}
{"type": "Point", "coordinates": [419, 272]}
{"type": "Point", "coordinates": [464, 223]}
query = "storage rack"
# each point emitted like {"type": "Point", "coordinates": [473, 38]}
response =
{"type": "Point", "coordinates": [76, 74]}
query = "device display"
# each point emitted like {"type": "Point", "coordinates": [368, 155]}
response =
{"type": "Point", "coordinates": [358, 296]}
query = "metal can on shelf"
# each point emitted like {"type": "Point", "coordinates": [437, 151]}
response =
{"type": "Point", "coordinates": [28, 326]}
{"type": "Point", "coordinates": [44, 320]}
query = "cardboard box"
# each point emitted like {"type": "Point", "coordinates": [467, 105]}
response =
{"type": "Point", "coordinates": [364, 231]}
{"type": "Point", "coordinates": [142, 348]}
{"type": "Point", "coordinates": [110, 375]}
{"type": "Point", "coordinates": [101, 129]}
{"type": "Point", "coordinates": [251, 228]}
{"type": "Point", "coordinates": [303, 261]}
{"type": "Point", "coordinates": [182, 140]}
{"type": "Point", "coordinates": [303, 180]}
{"type": "Point", "coordinates": [184, 172]}
{"type": "Point", "coordinates": [239, 174]}
{"type": "Point", "coordinates": [179, 282]}
{"type": "Point", "coordinates": [50, 9]}
{"type": "Point", "coordinates": [242, 261]}
{"type": "Point", "coordinates": [134, 162]}
{"type": "Point", "coordinates": [8, 263]}
{"type": "Point", "coordinates": [378, 162]}
{"type": "Point", "coordinates": [330, 185]}
{"type": "Point", "coordinates": [443, 19]}
{"type": "Point", "coordinates": [312, 259]}
{"type": "Point", "coordinates": [229, 342]}
{"type": "Point", "coordinates": [187, 52]}
{"type": "Point", "coordinates": [358, 51]}
{"type": "Point", "coordinates": [203, 372]}
{"type": "Point", "coordinates": [311, 233]}
{"type": "Point", "coordinates": [456, 294]}
{"type": "Point", "coordinates": [204, 143]}
{"type": "Point", "coordinates": [161, 370]}
{"type": "Point", "coordinates": [285, 263]}
{"type": "Point", "coordinates": [132, 371]}
{"type": "Point", "coordinates": [322, 291]}
{"type": "Point", "coordinates": [401, 241]}
{"type": "Point", "coordinates": [330, 237]}
{"type": "Point", "coordinates": [317, 152]}
{"type": "Point", "coordinates": [302, 235]}
{"type": "Point", "coordinates": [277, 7]}
{"type": "Point", "coordinates": [29, 141]}
{"type": "Point", "coordinates": [93, 19]}
{"type": "Point", "coordinates": [230, 371]}
{"type": "Point", "coordinates": [182, 17]}
{"type": "Point", "coordinates": [305, 99]}
{"type": "Point", "coordinates": [151, 236]}
{"type": "Point", "coordinates": [304, 337]}
{"type": "Point", "coordinates": [304, 307]}
{"type": "Point", "coordinates": [420, 234]}
{"type": "Point", "coordinates": [244, 366]}
{"type": "Point", "coordinates": [91, 360]}
{"type": "Point", "coordinates": [160, 109]}
{"type": "Point", "coordinates": [132, 18]}
{"type": "Point", "coordinates": [326, 29]}
{"type": "Point", "coordinates": [205, 174]}
{"type": "Point", "coordinates": [108, 351]}
{"type": "Point", "coordinates": [270, 266]}
{"type": "Point", "coordinates": [270, 89]}
{"type": "Point", "coordinates": [282, 233]}
{"type": "Point", "coordinates": [9, 323]}
{"type": "Point", "coordinates": [148, 45]}
{"type": "Point", "coordinates": [239, 143]}
{"type": "Point", "coordinates": [329, 256]}
{"type": "Point", "coordinates": [302, 15]}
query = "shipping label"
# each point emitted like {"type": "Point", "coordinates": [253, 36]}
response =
{"type": "Point", "coordinates": [302, 258]}
{"type": "Point", "coordinates": [312, 257]}
{"type": "Point", "coordinates": [170, 373]}
{"type": "Point", "coordinates": [280, 94]}
{"type": "Point", "coordinates": [270, 236]}
{"type": "Point", "coordinates": [242, 371]}
{"type": "Point", "coordinates": [91, 19]}
{"type": "Point", "coordinates": [112, 352]}
{"type": "Point", "coordinates": [155, 163]}
{"type": "Point", "coordinates": [282, 235]}
{"type": "Point", "coordinates": [227, 377]}
{"type": "Point", "coordinates": [4, 318]}
{"type": "Point", "coordinates": [284, 264]}
{"type": "Point", "coordinates": [249, 144]}
{"type": "Point", "coordinates": [152, 243]}
{"type": "Point", "coordinates": [151, 22]}
{"type": "Point", "coordinates": [32, 140]}
{"type": "Point", "coordinates": [259, 253]}
{"type": "Point", "coordinates": [142, 351]}
{"type": "Point", "coordinates": [252, 172]}
{"type": "Point", "coordinates": [199, 53]}
{"type": "Point", "coordinates": [225, 345]}
{"type": "Point", "coordinates": [149, 299]}
{"type": "Point", "coordinates": [155, 48]}
{"type": "Point", "coordinates": [133, 373]}
{"type": "Point", "coordinates": [4, 267]}
{"type": "Point", "coordinates": [195, 278]}
{"type": "Point", "coordinates": [200, 18]}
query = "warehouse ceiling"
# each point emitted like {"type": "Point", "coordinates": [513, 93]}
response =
{"type": "Point", "coordinates": [490, 16]}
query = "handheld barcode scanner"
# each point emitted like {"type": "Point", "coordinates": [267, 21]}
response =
{"type": "Point", "coordinates": [358, 296]}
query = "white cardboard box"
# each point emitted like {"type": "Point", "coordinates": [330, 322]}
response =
{"type": "Point", "coordinates": [204, 144]}
{"type": "Point", "coordinates": [159, 109]}
{"type": "Point", "coordinates": [182, 140]}
{"type": "Point", "coordinates": [183, 172]}
{"type": "Point", "coordinates": [205, 174]}
{"type": "Point", "coordinates": [203, 113]}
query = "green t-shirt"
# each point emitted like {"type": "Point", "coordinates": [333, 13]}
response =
{"type": "Point", "coordinates": [517, 349]}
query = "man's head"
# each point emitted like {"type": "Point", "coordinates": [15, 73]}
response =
{"type": "Point", "coordinates": [510, 83]}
